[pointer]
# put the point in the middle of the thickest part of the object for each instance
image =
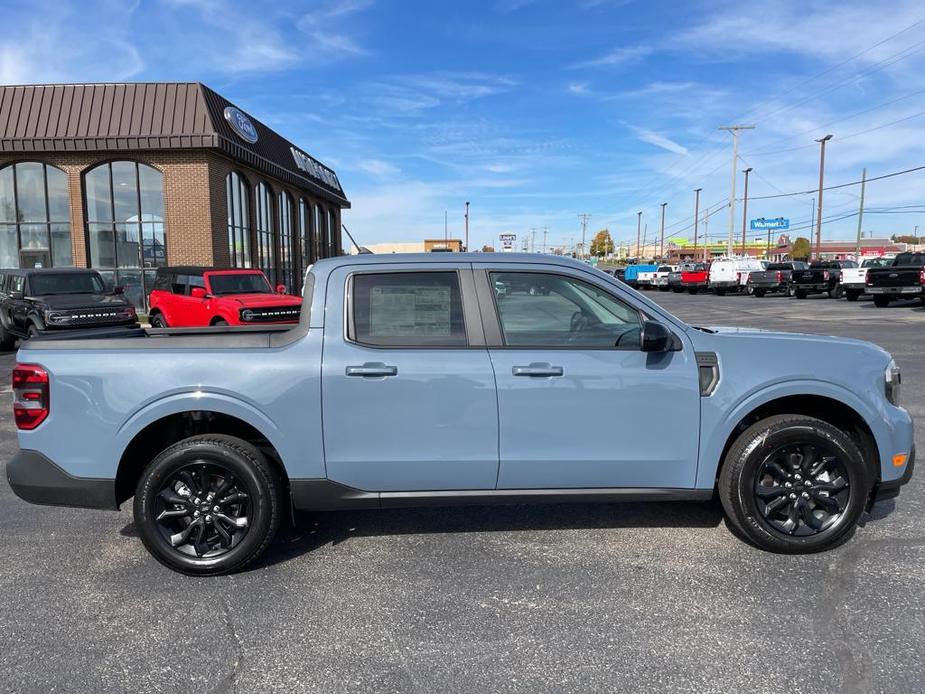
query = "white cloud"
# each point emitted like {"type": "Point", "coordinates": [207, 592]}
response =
{"type": "Point", "coordinates": [659, 140]}
{"type": "Point", "coordinates": [615, 57]}
{"type": "Point", "coordinates": [378, 168]}
{"type": "Point", "coordinates": [579, 88]}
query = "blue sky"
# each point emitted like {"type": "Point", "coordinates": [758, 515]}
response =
{"type": "Point", "coordinates": [535, 111]}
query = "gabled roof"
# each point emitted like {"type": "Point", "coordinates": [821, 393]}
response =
{"type": "Point", "coordinates": [149, 115]}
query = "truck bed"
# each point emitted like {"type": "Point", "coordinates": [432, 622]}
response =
{"type": "Point", "coordinates": [219, 337]}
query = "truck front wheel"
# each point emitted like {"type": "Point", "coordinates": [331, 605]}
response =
{"type": "Point", "coordinates": [207, 505]}
{"type": "Point", "coordinates": [794, 484]}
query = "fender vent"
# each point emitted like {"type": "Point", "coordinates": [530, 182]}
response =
{"type": "Point", "coordinates": [708, 369]}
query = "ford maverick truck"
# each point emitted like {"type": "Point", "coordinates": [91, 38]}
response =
{"type": "Point", "coordinates": [456, 378]}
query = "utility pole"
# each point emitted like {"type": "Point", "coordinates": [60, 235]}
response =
{"type": "Point", "coordinates": [857, 250]}
{"type": "Point", "coordinates": [812, 218]}
{"type": "Point", "coordinates": [638, 226]}
{"type": "Point", "coordinates": [545, 234]}
{"type": "Point", "coordinates": [706, 236]}
{"type": "Point", "coordinates": [584, 227]}
{"type": "Point", "coordinates": [661, 245]}
{"type": "Point", "coordinates": [467, 225]}
{"type": "Point", "coordinates": [821, 142]}
{"type": "Point", "coordinates": [745, 207]}
{"type": "Point", "coordinates": [734, 130]}
{"type": "Point", "coordinates": [533, 240]}
{"type": "Point", "coordinates": [445, 236]}
{"type": "Point", "coordinates": [696, 217]}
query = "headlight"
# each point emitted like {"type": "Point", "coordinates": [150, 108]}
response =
{"type": "Point", "coordinates": [892, 382]}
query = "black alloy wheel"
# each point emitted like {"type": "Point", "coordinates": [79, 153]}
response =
{"type": "Point", "coordinates": [794, 484]}
{"type": "Point", "coordinates": [207, 505]}
{"type": "Point", "coordinates": [157, 321]}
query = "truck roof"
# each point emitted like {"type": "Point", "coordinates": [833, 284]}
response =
{"type": "Point", "coordinates": [400, 258]}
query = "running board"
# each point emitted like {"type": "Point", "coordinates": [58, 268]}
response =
{"type": "Point", "coordinates": [326, 495]}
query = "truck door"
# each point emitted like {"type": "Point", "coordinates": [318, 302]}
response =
{"type": "Point", "coordinates": [408, 392]}
{"type": "Point", "coordinates": [580, 405]}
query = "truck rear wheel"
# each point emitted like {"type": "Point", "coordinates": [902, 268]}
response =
{"type": "Point", "coordinates": [800, 293]}
{"type": "Point", "coordinates": [835, 292]}
{"type": "Point", "coordinates": [881, 301]}
{"type": "Point", "coordinates": [794, 484]}
{"type": "Point", "coordinates": [207, 505]}
{"type": "Point", "coordinates": [760, 292]}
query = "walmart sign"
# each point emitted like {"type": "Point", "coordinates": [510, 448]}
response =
{"type": "Point", "coordinates": [776, 224]}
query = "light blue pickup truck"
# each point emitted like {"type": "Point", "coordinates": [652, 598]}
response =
{"type": "Point", "coordinates": [458, 378]}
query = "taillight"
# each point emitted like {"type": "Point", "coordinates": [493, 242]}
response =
{"type": "Point", "coordinates": [738, 277]}
{"type": "Point", "coordinates": [825, 275]}
{"type": "Point", "coordinates": [30, 395]}
{"type": "Point", "coordinates": [780, 277]}
{"type": "Point", "coordinates": [922, 276]}
{"type": "Point", "coordinates": [868, 280]}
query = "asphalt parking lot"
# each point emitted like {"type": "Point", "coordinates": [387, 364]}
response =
{"type": "Point", "coordinates": [575, 598]}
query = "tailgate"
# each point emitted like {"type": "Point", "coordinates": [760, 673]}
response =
{"type": "Point", "coordinates": [893, 277]}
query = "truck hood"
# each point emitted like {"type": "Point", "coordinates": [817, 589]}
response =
{"type": "Point", "coordinates": [788, 345]}
{"type": "Point", "coordinates": [264, 300]}
{"type": "Point", "coordinates": [54, 302]}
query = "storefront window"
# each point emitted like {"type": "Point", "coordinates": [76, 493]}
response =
{"type": "Point", "coordinates": [266, 242]}
{"type": "Point", "coordinates": [286, 275]}
{"type": "Point", "coordinates": [125, 224]}
{"type": "Point", "coordinates": [237, 195]}
{"type": "Point", "coordinates": [35, 226]}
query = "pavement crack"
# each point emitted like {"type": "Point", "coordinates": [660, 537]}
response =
{"type": "Point", "coordinates": [228, 683]}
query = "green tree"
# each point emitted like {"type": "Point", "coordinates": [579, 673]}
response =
{"type": "Point", "coordinates": [602, 244]}
{"type": "Point", "coordinates": [801, 248]}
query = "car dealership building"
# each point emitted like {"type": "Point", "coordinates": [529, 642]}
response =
{"type": "Point", "coordinates": [125, 178]}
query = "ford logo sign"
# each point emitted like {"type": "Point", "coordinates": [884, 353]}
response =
{"type": "Point", "coordinates": [893, 275]}
{"type": "Point", "coordinates": [241, 124]}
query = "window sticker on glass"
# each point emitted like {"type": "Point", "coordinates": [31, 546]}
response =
{"type": "Point", "coordinates": [409, 310]}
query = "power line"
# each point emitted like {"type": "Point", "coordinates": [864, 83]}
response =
{"type": "Point", "coordinates": [840, 185]}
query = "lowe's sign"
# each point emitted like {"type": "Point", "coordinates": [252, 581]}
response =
{"type": "Point", "coordinates": [776, 224]}
{"type": "Point", "coordinates": [314, 169]}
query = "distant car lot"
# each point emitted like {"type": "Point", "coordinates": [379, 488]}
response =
{"type": "Point", "coordinates": [632, 597]}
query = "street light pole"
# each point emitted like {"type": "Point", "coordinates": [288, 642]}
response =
{"type": "Point", "coordinates": [696, 217]}
{"type": "Point", "coordinates": [734, 130]}
{"type": "Point", "coordinates": [467, 225]}
{"type": "Point", "coordinates": [661, 245]}
{"type": "Point", "coordinates": [638, 227]}
{"type": "Point", "coordinates": [857, 249]}
{"type": "Point", "coordinates": [821, 142]}
{"type": "Point", "coordinates": [745, 208]}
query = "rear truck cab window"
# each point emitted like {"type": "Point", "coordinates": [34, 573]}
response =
{"type": "Point", "coordinates": [455, 378]}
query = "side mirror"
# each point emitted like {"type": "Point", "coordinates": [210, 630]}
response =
{"type": "Point", "coordinates": [280, 288]}
{"type": "Point", "coordinates": [656, 337]}
{"type": "Point", "coordinates": [118, 290]}
{"type": "Point", "coordinates": [197, 292]}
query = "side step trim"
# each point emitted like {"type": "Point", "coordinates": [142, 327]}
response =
{"type": "Point", "coordinates": [326, 495]}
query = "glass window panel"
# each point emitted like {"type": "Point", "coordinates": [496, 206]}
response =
{"type": "Point", "coordinates": [128, 245]}
{"type": "Point", "coordinates": [9, 248]}
{"type": "Point", "coordinates": [61, 252]}
{"type": "Point", "coordinates": [155, 250]}
{"type": "Point", "coordinates": [58, 197]}
{"type": "Point", "coordinates": [149, 283]}
{"type": "Point", "coordinates": [7, 201]}
{"type": "Point", "coordinates": [109, 279]}
{"type": "Point", "coordinates": [102, 246]}
{"type": "Point", "coordinates": [125, 191]}
{"type": "Point", "coordinates": [30, 191]}
{"type": "Point", "coordinates": [33, 236]}
{"type": "Point", "coordinates": [130, 280]}
{"type": "Point", "coordinates": [151, 183]}
{"type": "Point", "coordinates": [408, 309]}
{"type": "Point", "coordinates": [96, 187]}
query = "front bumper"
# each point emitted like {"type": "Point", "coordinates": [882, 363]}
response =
{"type": "Point", "coordinates": [38, 480]}
{"type": "Point", "coordinates": [895, 290]}
{"type": "Point", "coordinates": [890, 489]}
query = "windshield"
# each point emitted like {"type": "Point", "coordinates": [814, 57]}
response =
{"type": "Point", "coordinates": [876, 262]}
{"type": "Point", "coordinates": [65, 283]}
{"type": "Point", "coordinates": [249, 283]}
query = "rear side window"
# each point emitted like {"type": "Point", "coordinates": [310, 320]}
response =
{"type": "Point", "coordinates": [16, 283]}
{"type": "Point", "coordinates": [407, 309]}
{"type": "Point", "coordinates": [162, 282]}
{"type": "Point", "coordinates": [178, 284]}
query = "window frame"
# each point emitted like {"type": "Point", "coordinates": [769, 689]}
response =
{"type": "Point", "coordinates": [491, 316]}
{"type": "Point", "coordinates": [48, 223]}
{"type": "Point", "coordinates": [475, 337]}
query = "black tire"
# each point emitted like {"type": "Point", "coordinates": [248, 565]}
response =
{"type": "Point", "coordinates": [157, 320]}
{"type": "Point", "coordinates": [749, 289]}
{"type": "Point", "coordinates": [835, 292]}
{"type": "Point", "coordinates": [881, 301]}
{"type": "Point", "coordinates": [791, 290]}
{"type": "Point", "coordinates": [205, 464]}
{"type": "Point", "coordinates": [852, 294]}
{"type": "Point", "coordinates": [7, 340]}
{"type": "Point", "coordinates": [760, 292]}
{"type": "Point", "coordinates": [32, 331]}
{"type": "Point", "coordinates": [219, 321]}
{"type": "Point", "coordinates": [813, 511]}
{"type": "Point", "coordinates": [800, 293]}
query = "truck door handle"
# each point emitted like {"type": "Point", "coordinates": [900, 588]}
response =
{"type": "Point", "coordinates": [537, 370]}
{"type": "Point", "coordinates": [372, 370]}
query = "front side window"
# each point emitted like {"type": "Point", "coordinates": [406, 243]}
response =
{"type": "Point", "coordinates": [244, 283]}
{"type": "Point", "coordinates": [35, 226]}
{"type": "Point", "coordinates": [285, 241]}
{"type": "Point", "coordinates": [407, 309]}
{"type": "Point", "coordinates": [125, 225]}
{"type": "Point", "coordinates": [237, 194]}
{"type": "Point", "coordinates": [547, 310]}
{"type": "Point", "coordinates": [266, 243]}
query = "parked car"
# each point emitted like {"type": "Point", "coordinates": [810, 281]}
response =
{"type": "Point", "coordinates": [696, 277]}
{"type": "Point", "coordinates": [660, 279]}
{"type": "Point", "coordinates": [201, 296]}
{"type": "Point", "coordinates": [854, 279]}
{"type": "Point", "coordinates": [631, 276]}
{"type": "Point", "coordinates": [674, 277]}
{"type": "Point", "coordinates": [904, 278]}
{"type": "Point", "coordinates": [432, 391]}
{"type": "Point", "coordinates": [34, 300]}
{"type": "Point", "coordinates": [645, 276]}
{"type": "Point", "coordinates": [776, 278]}
{"type": "Point", "coordinates": [821, 277]}
{"type": "Point", "coordinates": [731, 274]}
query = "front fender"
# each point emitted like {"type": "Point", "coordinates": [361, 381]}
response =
{"type": "Point", "coordinates": [719, 421]}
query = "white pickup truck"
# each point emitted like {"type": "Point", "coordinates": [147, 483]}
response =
{"type": "Point", "coordinates": [660, 281]}
{"type": "Point", "coordinates": [853, 280]}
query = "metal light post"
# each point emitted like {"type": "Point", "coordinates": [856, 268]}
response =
{"type": "Point", "coordinates": [821, 142]}
{"type": "Point", "coordinates": [638, 228]}
{"type": "Point", "coordinates": [696, 217]}
{"type": "Point", "coordinates": [745, 208]}
{"type": "Point", "coordinates": [857, 248]}
{"type": "Point", "coordinates": [661, 245]}
{"type": "Point", "coordinates": [467, 225]}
